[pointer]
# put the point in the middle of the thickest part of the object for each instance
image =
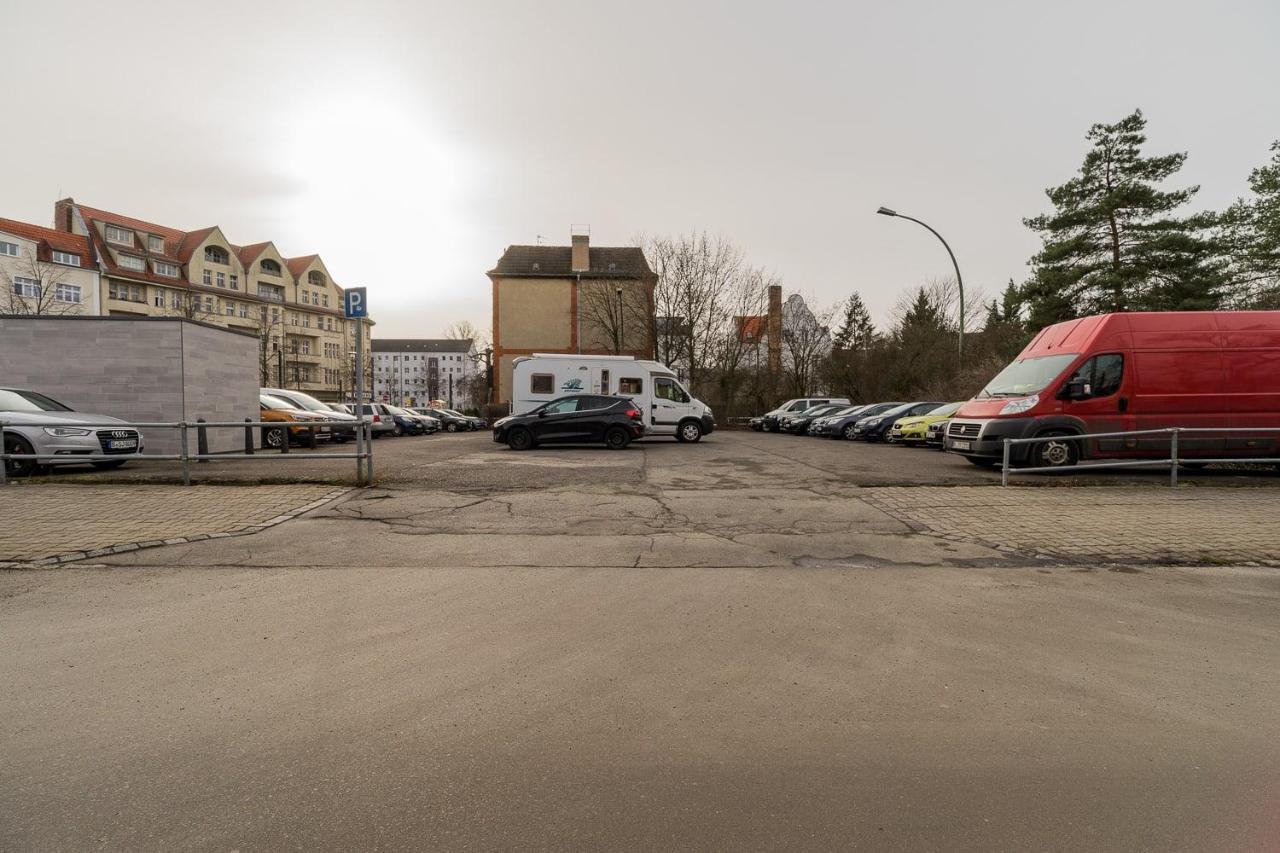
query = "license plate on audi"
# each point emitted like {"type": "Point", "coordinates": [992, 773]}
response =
{"type": "Point", "coordinates": [122, 444]}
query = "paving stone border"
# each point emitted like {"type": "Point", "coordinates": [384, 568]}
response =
{"type": "Point", "coordinates": [126, 547]}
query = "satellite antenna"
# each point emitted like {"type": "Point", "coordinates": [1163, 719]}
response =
{"type": "Point", "coordinates": [542, 241]}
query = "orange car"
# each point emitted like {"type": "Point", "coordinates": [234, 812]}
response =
{"type": "Point", "coordinates": [275, 409]}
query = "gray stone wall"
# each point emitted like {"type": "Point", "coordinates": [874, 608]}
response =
{"type": "Point", "coordinates": [139, 369]}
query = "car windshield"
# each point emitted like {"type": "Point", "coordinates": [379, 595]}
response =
{"type": "Point", "coordinates": [945, 409]}
{"type": "Point", "coordinates": [455, 413]}
{"type": "Point", "coordinates": [275, 402]}
{"type": "Point", "coordinates": [28, 401]}
{"type": "Point", "coordinates": [1027, 376]}
{"type": "Point", "coordinates": [847, 410]}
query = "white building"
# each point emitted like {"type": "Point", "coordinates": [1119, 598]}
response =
{"type": "Point", "coordinates": [43, 271]}
{"type": "Point", "coordinates": [414, 371]}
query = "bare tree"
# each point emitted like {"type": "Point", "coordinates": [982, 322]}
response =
{"type": "Point", "coordinates": [39, 289]}
{"type": "Point", "coordinates": [270, 339]}
{"type": "Point", "coordinates": [190, 305]}
{"type": "Point", "coordinates": [464, 330]}
{"type": "Point", "coordinates": [615, 316]}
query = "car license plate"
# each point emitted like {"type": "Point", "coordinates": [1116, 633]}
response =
{"type": "Point", "coordinates": [961, 445]}
{"type": "Point", "coordinates": [122, 444]}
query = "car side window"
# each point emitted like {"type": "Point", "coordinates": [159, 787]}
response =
{"type": "Point", "coordinates": [1100, 375]}
{"type": "Point", "coordinates": [563, 407]}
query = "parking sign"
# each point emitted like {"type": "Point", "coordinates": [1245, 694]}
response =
{"type": "Point", "coordinates": [355, 303]}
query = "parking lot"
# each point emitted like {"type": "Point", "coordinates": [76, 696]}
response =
{"type": "Point", "coordinates": [753, 642]}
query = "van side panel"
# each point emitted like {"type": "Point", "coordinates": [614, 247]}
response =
{"type": "Point", "coordinates": [1251, 356]}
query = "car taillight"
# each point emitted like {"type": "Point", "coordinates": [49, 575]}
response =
{"type": "Point", "coordinates": [377, 419]}
{"type": "Point", "coordinates": [634, 414]}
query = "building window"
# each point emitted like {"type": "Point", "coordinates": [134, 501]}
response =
{"type": "Point", "coordinates": [158, 299]}
{"type": "Point", "coordinates": [215, 254]}
{"type": "Point", "coordinates": [222, 278]}
{"type": "Point", "coordinates": [206, 278]}
{"type": "Point", "coordinates": [316, 277]}
{"type": "Point", "coordinates": [306, 321]}
{"type": "Point", "coordinates": [166, 269]}
{"type": "Point", "coordinates": [306, 297]}
{"type": "Point", "coordinates": [269, 267]}
{"type": "Point", "coordinates": [126, 292]}
{"type": "Point", "coordinates": [326, 300]}
{"type": "Point", "coordinates": [306, 346]}
{"type": "Point", "coordinates": [244, 310]}
{"type": "Point", "coordinates": [155, 244]}
{"type": "Point", "coordinates": [10, 249]}
{"type": "Point", "coordinates": [235, 281]}
{"type": "Point", "coordinates": [28, 287]}
{"type": "Point", "coordinates": [68, 258]}
{"type": "Point", "coordinates": [132, 262]}
{"type": "Point", "coordinates": [68, 293]}
{"type": "Point", "coordinates": [210, 305]}
{"type": "Point", "coordinates": [293, 319]}
{"type": "Point", "coordinates": [119, 235]}
{"type": "Point", "coordinates": [175, 300]}
{"type": "Point", "coordinates": [542, 383]}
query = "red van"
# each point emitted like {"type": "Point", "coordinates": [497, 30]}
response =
{"type": "Point", "coordinates": [1118, 372]}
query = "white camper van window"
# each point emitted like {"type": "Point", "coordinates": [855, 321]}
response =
{"type": "Point", "coordinates": [667, 389]}
{"type": "Point", "coordinates": [542, 383]}
{"type": "Point", "coordinates": [604, 382]}
{"type": "Point", "coordinates": [628, 385]}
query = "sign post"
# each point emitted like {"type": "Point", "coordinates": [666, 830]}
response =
{"type": "Point", "coordinates": [355, 307]}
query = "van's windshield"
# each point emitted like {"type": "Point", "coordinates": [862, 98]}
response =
{"type": "Point", "coordinates": [1027, 376]}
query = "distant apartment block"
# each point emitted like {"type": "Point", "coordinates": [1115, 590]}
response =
{"type": "Point", "coordinates": [47, 272]}
{"type": "Point", "coordinates": [414, 371]}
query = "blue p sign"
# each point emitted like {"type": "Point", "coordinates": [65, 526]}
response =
{"type": "Point", "coordinates": [355, 303]}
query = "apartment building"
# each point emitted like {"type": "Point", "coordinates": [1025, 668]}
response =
{"type": "Point", "coordinates": [570, 299]}
{"type": "Point", "coordinates": [413, 371]}
{"type": "Point", "coordinates": [292, 304]}
{"type": "Point", "coordinates": [46, 272]}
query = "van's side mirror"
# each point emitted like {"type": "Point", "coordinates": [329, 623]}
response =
{"type": "Point", "coordinates": [1076, 390]}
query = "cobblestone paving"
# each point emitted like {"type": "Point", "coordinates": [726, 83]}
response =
{"type": "Point", "coordinates": [49, 524]}
{"type": "Point", "coordinates": [1098, 524]}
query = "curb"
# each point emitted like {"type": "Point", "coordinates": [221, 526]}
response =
{"type": "Point", "coordinates": [73, 556]}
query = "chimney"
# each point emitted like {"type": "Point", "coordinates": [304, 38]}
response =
{"type": "Point", "coordinates": [774, 329]}
{"type": "Point", "coordinates": [580, 257]}
{"type": "Point", "coordinates": [62, 218]}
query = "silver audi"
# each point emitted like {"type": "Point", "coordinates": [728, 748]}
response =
{"type": "Point", "coordinates": [34, 423]}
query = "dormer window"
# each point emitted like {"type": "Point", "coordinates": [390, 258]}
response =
{"type": "Point", "coordinates": [67, 258]}
{"type": "Point", "coordinates": [165, 269]}
{"type": "Point", "coordinates": [155, 244]}
{"type": "Point", "coordinates": [269, 267]}
{"type": "Point", "coordinates": [122, 236]}
{"type": "Point", "coordinates": [215, 255]}
{"type": "Point", "coordinates": [132, 262]}
{"type": "Point", "coordinates": [316, 278]}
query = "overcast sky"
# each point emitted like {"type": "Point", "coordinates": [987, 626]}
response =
{"type": "Point", "coordinates": [410, 143]}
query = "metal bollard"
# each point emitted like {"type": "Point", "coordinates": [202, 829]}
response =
{"type": "Point", "coordinates": [1173, 458]}
{"type": "Point", "coordinates": [1004, 466]}
{"type": "Point", "coordinates": [248, 437]}
{"type": "Point", "coordinates": [288, 436]}
{"type": "Point", "coordinates": [368, 463]}
{"type": "Point", "coordinates": [202, 440]}
{"type": "Point", "coordinates": [4, 463]}
{"type": "Point", "coordinates": [186, 462]}
{"type": "Point", "coordinates": [311, 436]}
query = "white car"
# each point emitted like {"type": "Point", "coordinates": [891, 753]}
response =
{"type": "Point", "coordinates": [72, 433]}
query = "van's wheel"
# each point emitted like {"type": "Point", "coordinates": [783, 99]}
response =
{"type": "Point", "coordinates": [616, 439]}
{"type": "Point", "coordinates": [273, 437]}
{"type": "Point", "coordinates": [849, 432]}
{"type": "Point", "coordinates": [520, 439]}
{"type": "Point", "coordinates": [1055, 454]}
{"type": "Point", "coordinates": [689, 431]}
{"type": "Point", "coordinates": [14, 443]}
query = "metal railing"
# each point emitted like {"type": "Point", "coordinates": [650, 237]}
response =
{"type": "Point", "coordinates": [1172, 460]}
{"type": "Point", "coordinates": [362, 432]}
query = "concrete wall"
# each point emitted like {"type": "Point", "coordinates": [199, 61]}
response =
{"type": "Point", "coordinates": [143, 369]}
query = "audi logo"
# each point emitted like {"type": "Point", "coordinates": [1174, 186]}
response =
{"type": "Point", "coordinates": [119, 433]}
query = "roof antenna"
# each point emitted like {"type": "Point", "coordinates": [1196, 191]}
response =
{"type": "Point", "coordinates": [542, 241]}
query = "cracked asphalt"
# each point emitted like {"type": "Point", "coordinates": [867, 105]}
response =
{"type": "Point", "coordinates": [710, 647]}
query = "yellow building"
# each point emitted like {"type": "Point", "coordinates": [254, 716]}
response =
{"type": "Point", "coordinates": [570, 299]}
{"type": "Point", "coordinates": [292, 304]}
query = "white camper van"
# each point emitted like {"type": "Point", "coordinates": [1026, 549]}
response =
{"type": "Point", "coordinates": [668, 408]}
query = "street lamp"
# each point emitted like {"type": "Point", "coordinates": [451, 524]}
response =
{"type": "Point", "coordinates": [884, 211]}
{"type": "Point", "coordinates": [622, 323]}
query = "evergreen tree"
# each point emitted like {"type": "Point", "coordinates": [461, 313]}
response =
{"type": "Point", "coordinates": [1112, 242]}
{"type": "Point", "coordinates": [1251, 236]}
{"type": "Point", "coordinates": [857, 332]}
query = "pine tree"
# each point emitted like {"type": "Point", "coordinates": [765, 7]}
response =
{"type": "Point", "coordinates": [1251, 235]}
{"type": "Point", "coordinates": [857, 332]}
{"type": "Point", "coordinates": [1112, 242]}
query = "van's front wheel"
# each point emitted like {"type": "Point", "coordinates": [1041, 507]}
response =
{"type": "Point", "coordinates": [1055, 454]}
{"type": "Point", "coordinates": [689, 431]}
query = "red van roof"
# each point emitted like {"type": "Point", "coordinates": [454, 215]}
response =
{"type": "Point", "coordinates": [1158, 330]}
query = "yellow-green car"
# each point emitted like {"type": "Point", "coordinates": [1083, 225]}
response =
{"type": "Point", "coordinates": [913, 431]}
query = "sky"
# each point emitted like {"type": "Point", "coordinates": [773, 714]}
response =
{"type": "Point", "coordinates": [408, 143]}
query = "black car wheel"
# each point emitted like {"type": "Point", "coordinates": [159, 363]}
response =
{"type": "Point", "coordinates": [849, 432]}
{"type": "Point", "coordinates": [274, 437]}
{"type": "Point", "coordinates": [451, 427]}
{"type": "Point", "coordinates": [108, 466]}
{"type": "Point", "coordinates": [14, 443]}
{"type": "Point", "coordinates": [519, 439]}
{"type": "Point", "coordinates": [616, 439]}
{"type": "Point", "coordinates": [766, 427]}
{"type": "Point", "coordinates": [398, 431]}
{"type": "Point", "coordinates": [689, 431]}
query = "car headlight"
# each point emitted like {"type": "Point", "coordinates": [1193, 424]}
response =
{"type": "Point", "coordinates": [65, 431]}
{"type": "Point", "coordinates": [874, 422]}
{"type": "Point", "coordinates": [1014, 407]}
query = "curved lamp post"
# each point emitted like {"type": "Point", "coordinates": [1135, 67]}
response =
{"type": "Point", "coordinates": [884, 211]}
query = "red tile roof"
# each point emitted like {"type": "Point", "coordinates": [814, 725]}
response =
{"type": "Point", "coordinates": [297, 265]}
{"type": "Point", "coordinates": [750, 328]}
{"type": "Point", "coordinates": [247, 254]}
{"type": "Point", "coordinates": [183, 248]}
{"type": "Point", "coordinates": [49, 239]}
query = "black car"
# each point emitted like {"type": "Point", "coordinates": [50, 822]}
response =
{"type": "Point", "coordinates": [844, 425]}
{"type": "Point", "coordinates": [580, 419]}
{"type": "Point", "coordinates": [876, 427]}
{"type": "Point", "coordinates": [451, 421]}
{"type": "Point", "coordinates": [798, 424]}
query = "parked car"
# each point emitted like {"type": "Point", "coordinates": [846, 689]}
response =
{"type": "Point", "coordinates": [824, 426]}
{"type": "Point", "coordinates": [343, 408]}
{"type": "Point", "coordinates": [342, 424]}
{"type": "Point", "coordinates": [581, 418]}
{"type": "Point", "coordinates": [769, 420]}
{"type": "Point", "coordinates": [798, 424]}
{"type": "Point", "coordinates": [451, 421]}
{"type": "Point", "coordinates": [876, 427]}
{"type": "Point", "coordinates": [301, 422]}
{"type": "Point", "coordinates": [936, 434]}
{"type": "Point", "coordinates": [912, 431]}
{"type": "Point", "coordinates": [1122, 372]}
{"type": "Point", "coordinates": [843, 426]}
{"type": "Point", "coordinates": [73, 433]}
{"type": "Point", "coordinates": [405, 422]}
{"type": "Point", "coordinates": [428, 424]}
{"type": "Point", "coordinates": [380, 419]}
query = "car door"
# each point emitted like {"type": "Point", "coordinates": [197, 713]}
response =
{"type": "Point", "coordinates": [1104, 404]}
{"type": "Point", "coordinates": [557, 423]}
{"type": "Point", "coordinates": [670, 404]}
